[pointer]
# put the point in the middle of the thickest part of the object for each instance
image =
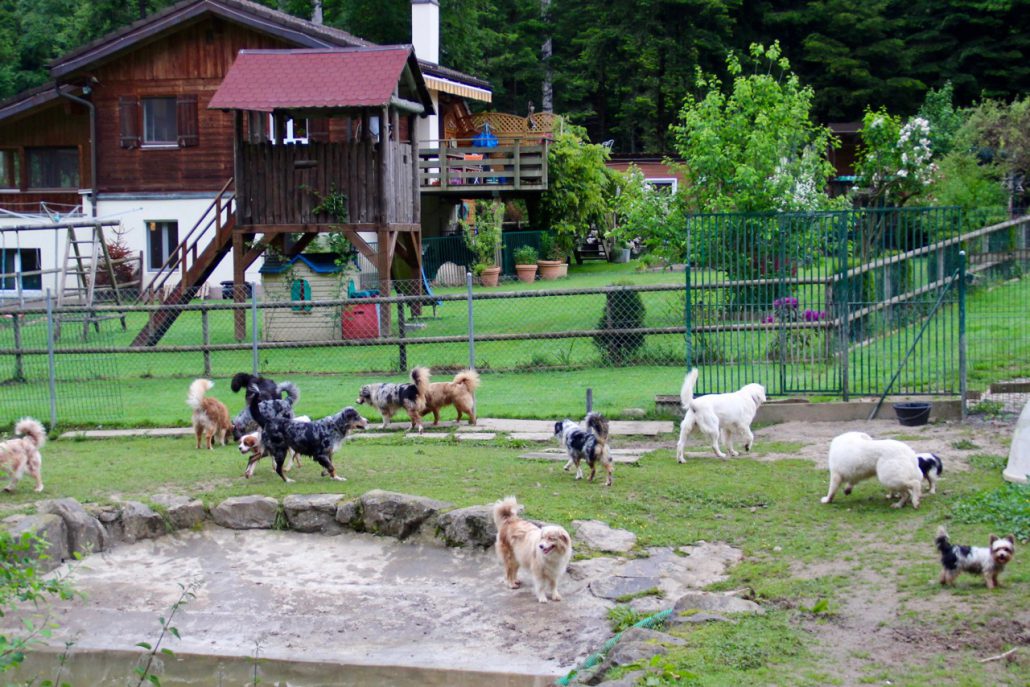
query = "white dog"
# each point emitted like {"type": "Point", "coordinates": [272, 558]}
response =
{"type": "Point", "coordinates": [855, 456]}
{"type": "Point", "coordinates": [719, 415]}
{"type": "Point", "coordinates": [544, 550]}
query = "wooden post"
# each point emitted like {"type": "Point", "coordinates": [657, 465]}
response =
{"type": "Point", "coordinates": [19, 370]}
{"type": "Point", "coordinates": [416, 194]}
{"type": "Point", "coordinates": [239, 272]}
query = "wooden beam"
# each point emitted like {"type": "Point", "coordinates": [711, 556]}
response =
{"type": "Point", "coordinates": [321, 228]}
{"type": "Point", "coordinates": [302, 243]}
{"type": "Point", "coordinates": [239, 275]}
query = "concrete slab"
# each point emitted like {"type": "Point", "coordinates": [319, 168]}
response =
{"type": "Point", "coordinates": [476, 436]}
{"type": "Point", "coordinates": [533, 436]}
{"type": "Point", "coordinates": [619, 455]}
{"type": "Point", "coordinates": [350, 599]}
{"type": "Point", "coordinates": [117, 433]}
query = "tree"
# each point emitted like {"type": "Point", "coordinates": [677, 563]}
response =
{"type": "Point", "coordinates": [894, 162]}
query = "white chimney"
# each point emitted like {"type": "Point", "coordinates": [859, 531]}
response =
{"type": "Point", "coordinates": [425, 29]}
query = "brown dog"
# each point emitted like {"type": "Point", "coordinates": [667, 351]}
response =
{"type": "Point", "coordinates": [210, 416]}
{"type": "Point", "coordinates": [460, 392]}
{"type": "Point", "coordinates": [21, 453]}
{"type": "Point", "coordinates": [544, 550]}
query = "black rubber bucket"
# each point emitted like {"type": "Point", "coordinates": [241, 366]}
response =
{"type": "Point", "coordinates": [913, 414]}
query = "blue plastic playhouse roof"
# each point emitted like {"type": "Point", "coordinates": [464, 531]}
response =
{"type": "Point", "coordinates": [319, 263]}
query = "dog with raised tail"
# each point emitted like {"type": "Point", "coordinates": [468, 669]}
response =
{"type": "Point", "coordinates": [388, 398]}
{"type": "Point", "coordinates": [544, 551]}
{"type": "Point", "coordinates": [718, 416]}
{"type": "Point", "coordinates": [21, 453]}
{"type": "Point", "coordinates": [988, 561]}
{"type": "Point", "coordinates": [210, 416]}
{"type": "Point", "coordinates": [266, 390]}
{"type": "Point", "coordinates": [590, 444]}
{"type": "Point", "coordinates": [460, 392]}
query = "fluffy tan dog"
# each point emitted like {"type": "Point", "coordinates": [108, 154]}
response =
{"type": "Point", "coordinates": [521, 544]}
{"type": "Point", "coordinates": [460, 392]}
{"type": "Point", "coordinates": [22, 453]}
{"type": "Point", "coordinates": [210, 416]}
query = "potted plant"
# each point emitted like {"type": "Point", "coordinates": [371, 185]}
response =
{"type": "Point", "coordinates": [525, 263]}
{"type": "Point", "coordinates": [552, 259]}
{"type": "Point", "coordinates": [483, 238]}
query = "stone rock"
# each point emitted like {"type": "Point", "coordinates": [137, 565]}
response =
{"type": "Point", "coordinates": [630, 679]}
{"type": "Point", "coordinates": [692, 618]}
{"type": "Point", "coordinates": [111, 518]}
{"type": "Point", "coordinates": [85, 533]}
{"type": "Point", "coordinates": [716, 603]}
{"type": "Point", "coordinates": [598, 536]}
{"type": "Point", "coordinates": [472, 526]}
{"type": "Point", "coordinates": [50, 528]}
{"type": "Point", "coordinates": [616, 587]}
{"type": "Point", "coordinates": [348, 514]}
{"type": "Point", "coordinates": [396, 515]}
{"type": "Point", "coordinates": [184, 513]}
{"type": "Point", "coordinates": [312, 512]}
{"type": "Point", "coordinates": [635, 644]}
{"type": "Point", "coordinates": [139, 521]}
{"type": "Point", "coordinates": [450, 274]}
{"type": "Point", "coordinates": [246, 513]}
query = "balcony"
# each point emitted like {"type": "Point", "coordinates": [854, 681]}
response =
{"type": "Point", "coordinates": [467, 170]}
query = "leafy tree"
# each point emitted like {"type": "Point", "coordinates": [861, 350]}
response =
{"type": "Point", "coordinates": [754, 148]}
{"type": "Point", "coordinates": [655, 215]}
{"type": "Point", "coordinates": [945, 119]}
{"type": "Point", "coordinates": [894, 158]}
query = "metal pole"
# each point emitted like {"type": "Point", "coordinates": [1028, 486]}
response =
{"type": "Point", "coordinates": [687, 307]}
{"type": "Point", "coordinates": [402, 347]}
{"type": "Point", "coordinates": [19, 370]}
{"type": "Point", "coordinates": [590, 399]}
{"type": "Point", "coordinates": [206, 333]}
{"type": "Point", "coordinates": [472, 338]}
{"type": "Point", "coordinates": [962, 362]}
{"type": "Point", "coordinates": [51, 364]}
{"type": "Point", "coordinates": [254, 326]}
{"type": "Point", "coordinates": [843, 295]}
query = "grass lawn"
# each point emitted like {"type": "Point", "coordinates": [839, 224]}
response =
{"type": "Point", "coordinates": [827, 575]}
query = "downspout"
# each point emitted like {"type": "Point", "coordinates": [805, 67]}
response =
{"type": "Point", "coordinates": [92, 143]}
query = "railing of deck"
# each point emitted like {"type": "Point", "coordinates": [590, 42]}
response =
{"type": "Point", "coordinates": [458, 164]}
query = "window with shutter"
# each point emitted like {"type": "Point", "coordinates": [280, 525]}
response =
{"type": "Point", "coordinates": [300, 290]}
{"type": "Point", "coordinates": [128, 115]}
{"type": "Point", "coordinates": [186, 115]}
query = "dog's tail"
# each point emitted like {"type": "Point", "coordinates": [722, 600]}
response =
{"type": "Point", "coordinates": [687, 390]}
{"type": "Point", "coordinates": [943, 545]}
{"type": "Point", "coordinates": [255, 408]}
{"type": "Point", "coordinates": [31, 430]}
{"type": "Point", "coordinates": [467, 378]}
{"type": "Point", "coordinates": [505, 510]}
{"type": "Point", "coordinates": [198, 388]}
{"type": "Point", "coordinates": [420, 378]}
{"type": "Point", "coordinates": [290, 389]}
{"type": "Point", "coordinates": [240, 380]}
{"type": "Point", "coordinates": [597, 424]}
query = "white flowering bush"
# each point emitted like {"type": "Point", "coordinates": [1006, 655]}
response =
{"type": "Point", "coordinates": [895, 161]}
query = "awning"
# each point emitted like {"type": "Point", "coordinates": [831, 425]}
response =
{"type": "Point", "coordinates": [435, 83]}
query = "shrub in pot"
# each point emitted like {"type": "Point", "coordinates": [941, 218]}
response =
{"type": "Point", "coordinates": [525, 263]}
{"type": "Point", "coordinates": [483, 237]}
{"type": "Point", "coordinates": [552, 259]}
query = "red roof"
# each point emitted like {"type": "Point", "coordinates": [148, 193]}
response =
{"type": "Point", "coordinates": [268, 80]}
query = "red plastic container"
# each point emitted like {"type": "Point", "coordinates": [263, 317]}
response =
{"type": "Point", "coordinates": [361, 321]}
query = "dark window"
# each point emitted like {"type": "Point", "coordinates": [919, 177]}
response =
{"type": "Point", "coordinates": [162, 241]}
{"type": "Point", "coordinates": [10, 169]}
{"type": "Point", "coordinates": [53, 167]}
{"type": "Point", "coordinates": [20, 261]}
{"type": "Point", "coordinates": [160, 121]}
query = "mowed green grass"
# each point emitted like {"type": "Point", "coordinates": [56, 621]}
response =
{"type": "Point", "coordinates": [769, 509]}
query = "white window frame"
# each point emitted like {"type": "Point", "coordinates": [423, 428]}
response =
{"type": "Point", "coordinates": [19, 279]}
{"type": "Point", "coordinates": [289, 137]}
{"type": "Point", "coordinates": [174, 142]}
{"type": "Point", "coordinates": [166, 246]}
{"type": "Point", "coordinates": [659, 182]}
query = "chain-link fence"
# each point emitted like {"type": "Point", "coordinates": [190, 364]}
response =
{"type": "Point", "coordinates": [792, 302]}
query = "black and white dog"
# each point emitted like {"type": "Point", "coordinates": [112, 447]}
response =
{"type": "Point", "coordinates": [931, 467]}
{"type": "Point", "coordinates": [388, 397]}
{"type": "Point", "coordinates": [266, 390]}
{"type": "Point", "coordinates": [590, 444]}
{"type": "Point", "coordinates": [318, 439]}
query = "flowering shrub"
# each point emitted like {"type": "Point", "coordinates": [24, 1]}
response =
{"type": "Point", "coordinates": [895, 158]}
{"type": "Point", "coordinates": [796, 342]}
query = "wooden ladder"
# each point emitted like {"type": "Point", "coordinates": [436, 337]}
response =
{"type": "Point", "coordinates": [83, 265]}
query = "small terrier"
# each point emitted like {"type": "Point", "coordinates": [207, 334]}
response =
{"type": "Point", "coordinates": [988, 561]}
{"type": "Point", "coordinates": [931, 466]}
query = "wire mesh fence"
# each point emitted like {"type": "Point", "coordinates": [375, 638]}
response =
{"type": "Point", "coordinates": [804, 304]}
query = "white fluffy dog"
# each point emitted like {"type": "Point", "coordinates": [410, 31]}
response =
{"type": "Point", "coordinates": [855, 456]}
{"type": "Point", "coordinates": [719, 416]}
{"type": "Point", "coordinates": [545, 551]}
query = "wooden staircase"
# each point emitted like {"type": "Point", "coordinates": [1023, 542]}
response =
{"type": "Point", "coordinates": [195, 260]}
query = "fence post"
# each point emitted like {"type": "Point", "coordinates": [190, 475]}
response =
{"type": "Point", "coordinates": [206, 333]}
{"type": "Point", "coordinates": [842, 292]}
{"type": "Point", "coordinates": [472, 336]}
{"type": "Point", "coordinates": [19, 370]}
{"type": "Point", "coordinates": [688, 307]}
{"type": "Point", "coordinates": [962, 364]}
{"type": "Point", "coordinates": [402, 347]}
{"type": "Point", "coordinates": [254, 326]}
{"type": "Point", "coordinates": [51, 363]}
{"type": "Point", "coordinates": [590, 399]}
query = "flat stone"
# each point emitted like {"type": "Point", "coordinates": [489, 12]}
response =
{"type": "Point", "coordinates": [246, 513]}
{"type": "Point", "coordinates": [51, 529]}
{"type": "Point", "coordinates": [139, 521]}
{"type": "Point", "coordinates": [369, 435]}
{"type": "Point", "coordinates": [121, 433]}
{"type": "Point", "coordinates": [348, 514]}
{"type": "Point", "coordinates": [427, 435]}
{"type": "Point", "coordinates": [619, 455]}
{"type": "Point", "coordinates": [717, 603]}
{"type": "Point", "coordinates": [85, 533]}
{"type": "Point", "coordinates": [396, 515]}
{"type": "Point", "coordinates": [532, 436]}
{"type": "Point", "coordinates": [472, 526]}
{"type": "Point", "coordinates": [476, 436]}
{"type": "Point", "coordinates": [312, 512]}
{"type": "Point", "coordinates": [618, 587]}
{"type": "Point", "coordinates": [183, 512]}
{"type": "Point", "coordinates": [596, 535]}
{"type": "Point", "coordinates": [630, 679]}
{"type": "Point", "coordinates": [691, 618]}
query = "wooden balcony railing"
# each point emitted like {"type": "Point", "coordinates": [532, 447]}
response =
{"type": "Point", "coordinates": [510, 166]}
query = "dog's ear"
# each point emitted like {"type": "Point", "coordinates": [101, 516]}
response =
{"type": "Point", "coordinates": [565, 538]}
{"type": "Point", "coordinates": [1011, 539]}
{"type": "Point", "coordinates": [558, 427]}
{"type": "Point", "coordinates": [992, 539]}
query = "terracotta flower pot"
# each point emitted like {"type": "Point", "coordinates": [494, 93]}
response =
{"type": "Point", "coordinates": [490, 276]}
{"type": "Point", "coordinates": [527, 273]}
{"type": "Point", "coordinates": [550, 269]}
{"type": "Point", "coordinates": [563, 270]}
